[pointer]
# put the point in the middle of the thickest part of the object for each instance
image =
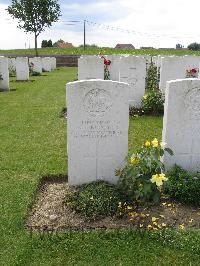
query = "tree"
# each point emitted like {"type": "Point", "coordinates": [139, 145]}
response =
{"type": "Point", "coordinates": [49, 43]}
{"type": "Point", "coordinates": [194, 46]}
{"type": "Point", "coordinates": [179, 46]}
{"type": "Point", "coordinates": [46, 43]}
{"type": "Point", "coordinates": [34, 15]}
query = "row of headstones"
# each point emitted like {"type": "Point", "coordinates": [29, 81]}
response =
{"type": "Point", "coordinates": [21, 65]}
{"type": "Point", "coordinates": [174, 67]}
{"type": "Point", "coordinates": [98, 121]}
{"type": "Point", "coordinates": [123, 68]}
{"type": "Point", "coordinates": [132, 70]}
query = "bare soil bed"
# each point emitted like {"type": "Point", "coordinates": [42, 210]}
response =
{"type": "Point", "coordinates": [49, 212]}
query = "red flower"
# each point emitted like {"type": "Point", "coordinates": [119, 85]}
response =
{"type": "Point", "coordinates": [107, 62]}
{"type": "Point", "coordinates": [194, 70]}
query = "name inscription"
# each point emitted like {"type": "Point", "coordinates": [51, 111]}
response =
{"type": "Point", "coordinates": [97, 129]}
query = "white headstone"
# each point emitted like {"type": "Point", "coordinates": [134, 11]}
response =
{"type": "Point", "coordinates": [53, 63]}
{"type": "Point", "coordinates": [133, 72]}
{"type": "Point", "coordinates": [192, 61]}
{"type": "Point", "coordinates": [90, 67]}
{"type": "Point", "coordinates": [172, 68]}
{"type": "Point", "coordinates": [22, 68]}
{"type": "Point", "coordinates": [37, 64]}
{"type": "Point", "coordinates": [12, 64]}
{"type": "Point", "coordinates": [4, 74]}
{"type": "Point", "coordinates": [46, 64]}
{"type": "Point", "coordinates": [98, 118]}
{"type": "Point", "coordinates": [181, 129]}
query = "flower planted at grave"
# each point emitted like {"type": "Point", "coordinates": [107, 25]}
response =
{"type": "Point", "coordinates": [31, 70]}
{"type": "Point", "coordinates": [143, 176]}
{"type": "Point", "coordinates": [107, 63]}
{"type": "Point", "coordinates": [192, 73]}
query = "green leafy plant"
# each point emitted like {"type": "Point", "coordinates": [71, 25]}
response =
{"type": "Point", "coordinates": [135, 112]}
{"type": "Point", "coordinates": [152, 78]}
{"type": "Point", "coordinates": [184, 186]}
{"type": "Point", "coordinates": [94, 200]}
{"type": "Point", "coordinates": [143, 176]}
{"type": "Point", "coordinates": [153, 102]}
{"type": "Point", "coordinates": [35, 73]}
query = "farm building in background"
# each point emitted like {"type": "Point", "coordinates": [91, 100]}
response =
{"type": "Point", "coordinates": [124, 46]}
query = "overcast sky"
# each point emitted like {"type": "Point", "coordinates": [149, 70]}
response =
{"type": "Point", "coordinates": [157, 23]}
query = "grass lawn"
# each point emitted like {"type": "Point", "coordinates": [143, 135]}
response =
{"type": "Point", "coordinates": [32, 146]}
{"type": "Point", "coordinates": [79, 51]}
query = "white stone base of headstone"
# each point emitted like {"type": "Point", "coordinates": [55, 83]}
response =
{"type": "Point", "coordinates": [4, 74]}
{"type": "Point", "coordinates": [181, 127]}
{"type": "Point", "coordinates": [98, 119]}
{"type": "Point", "coordinates": [22, 68]}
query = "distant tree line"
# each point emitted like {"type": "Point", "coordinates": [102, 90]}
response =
{"type": "Point", "coordinates": [49, 43]}
{"type": "Point", "coordinates": [194, 46]}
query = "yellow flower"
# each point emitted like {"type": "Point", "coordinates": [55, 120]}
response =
{"type": "Point", "coordinates": [92, 198]}
{"type": "Point", "coordinates": [147, 143]}
{"type": "Point", "coordinates": [158, 179]}
{"type": "Point", "coordinates": [155, 143]}
{"type": "Point", "coordinates": [153, 219]}
{"type": "Point", "coordinates": [145, 97]}
{"type": "Point", "coordinates": [164, 225]}
{"type": "Point", "coordinates": [182, 226]}
{"type": "Point", "coordinates": [135, 160]}
{"type": "Point", "coordinates": [149, 226]}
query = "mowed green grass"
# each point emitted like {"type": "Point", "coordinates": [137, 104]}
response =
{"type": "Point", "coordinates": [32, 146]}
{"type": "Point", "coordinates": [105, 51]}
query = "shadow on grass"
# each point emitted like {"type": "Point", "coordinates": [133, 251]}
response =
{"type": "Point", "coordinates": [11, 90]}
{"type": "Point", "coordinates": [23, 81]}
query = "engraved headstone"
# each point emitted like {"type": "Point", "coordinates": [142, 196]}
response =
{"type": "Point", "coordinates": [22, 68]}
{"type": "Point", "coordinates": [4, 74]}
{"type": "Point", "coordinates": [133, 72]}
{"type": "Point", "coordinates": [46, 64]}
{"type": "Point", "coordinates": [37, 64]}
{"type": "Point", "coordinates": [98, 118]}
{"type": "Point", "coordinates": [90, 67]}
{"type": "Point", "coordinates": [181, 129]}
